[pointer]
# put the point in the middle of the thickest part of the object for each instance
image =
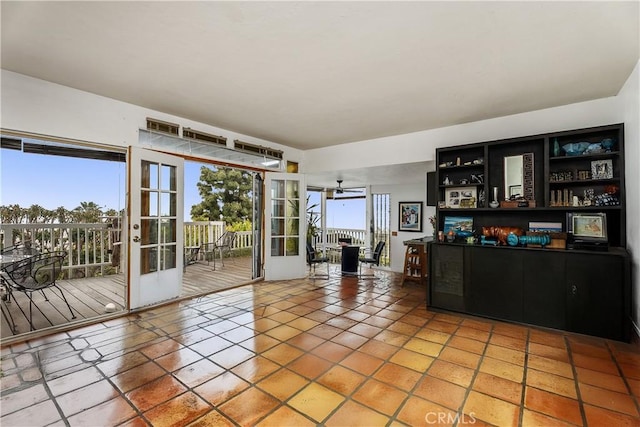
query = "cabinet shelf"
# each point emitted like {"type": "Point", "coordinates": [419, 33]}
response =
{"type": "Point", "coordinates": [469, 211]}
{"type": "Point", "coordinates": [471, 184]}
{"type": "Point", "coordinates": [456, 167]}
{"type": "Point", "coordinates": [586, 181]}
{"type": "Point", "coordinates": [605, 155]}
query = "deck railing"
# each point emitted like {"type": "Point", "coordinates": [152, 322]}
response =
{"type": "Point", "coordinates": [94, 249]}
{"type": "Point", "coordinates": [88, 247]}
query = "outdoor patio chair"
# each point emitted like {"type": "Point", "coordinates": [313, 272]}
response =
{"type": "Point", "coordinates": [222, 245]}
{"type": "Point", "coordinates": [33, 274]}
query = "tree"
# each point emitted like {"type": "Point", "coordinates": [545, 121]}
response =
{"type": "Point", "coordinates": [87, 212]}
{"type": "Point", "coordinates": [226, 194]}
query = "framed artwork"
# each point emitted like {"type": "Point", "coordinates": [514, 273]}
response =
{"type": "Point", "coordinates": [587, 226]}
{"type": "Point", "coordinates": [602, 169]}
{"type": "Point", "coordinates": [410, 216]}
{"type": "Point", "coordinates": [461, 197]}
{"type": "Point", "coordinates": [458, 223]}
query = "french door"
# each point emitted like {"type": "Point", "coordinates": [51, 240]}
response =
{"type": "Point", "coordinates": [285, 226]}
{"type": "Point", "coordinates": [155, 229]}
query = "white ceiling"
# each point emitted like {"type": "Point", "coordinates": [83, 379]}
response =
{"type": "Point", "coordinates": [315, 74]}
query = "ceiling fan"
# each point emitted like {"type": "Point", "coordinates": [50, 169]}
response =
{"type": "Point", "coordinates": [333, 191]}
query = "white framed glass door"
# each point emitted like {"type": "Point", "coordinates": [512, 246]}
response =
{"type": "Point", "coordinates": [155, 229]}
{"type": "Point", "coordinates": [285, 226]}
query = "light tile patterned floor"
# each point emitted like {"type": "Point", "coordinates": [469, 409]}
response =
{"type": "Point", "coordinates": [338, 352]}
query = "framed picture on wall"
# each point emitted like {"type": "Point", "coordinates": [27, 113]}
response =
{"type": "Point", "coordinates": [410, 216]}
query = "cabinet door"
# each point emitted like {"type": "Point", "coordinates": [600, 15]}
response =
{"type": "Point", "coordinates": [594, 286]}
{"type": "Point", "coordinates": [544, 289]}
{"type": "Point", "coordinates": [495, 283]}
{"type": "Point", "coordinates": [446, 277]}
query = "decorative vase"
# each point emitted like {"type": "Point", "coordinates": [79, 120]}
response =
{"type": "Point", "coordinates": [494, 203]}
{"type": "Point", "coordinates": [556, 148]}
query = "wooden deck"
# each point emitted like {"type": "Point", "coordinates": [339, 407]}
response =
{"type": "Point", "coordinates": [88, 296]}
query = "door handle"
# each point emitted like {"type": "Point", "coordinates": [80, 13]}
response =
{"type": "Point", "coordinates": [136, 239]}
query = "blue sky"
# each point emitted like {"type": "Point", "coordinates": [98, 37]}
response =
{"type": "Point", "coordinates": [52, 181]}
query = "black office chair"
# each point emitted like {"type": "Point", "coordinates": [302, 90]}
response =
{"type": "Point", "coordinates": [373, 260]}
{"type": "Point", "coordinates": [313, 259]}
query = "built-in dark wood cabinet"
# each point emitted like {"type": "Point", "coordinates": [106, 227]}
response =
{"type": "Point", "coordinates": [578, 290]}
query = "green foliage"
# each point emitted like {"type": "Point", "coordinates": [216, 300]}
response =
{"type": "Point", "coordinates": [313, 219]}
{"type": "Point", "coordinates": [244, 225]}
{"type": "Point", "coordinates": [225, 194]}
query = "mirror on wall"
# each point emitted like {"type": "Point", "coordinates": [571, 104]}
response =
{"type": "Point", "coordinates": [518, 176]}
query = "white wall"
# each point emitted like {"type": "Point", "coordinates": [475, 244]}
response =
{"type": "Point", "coordinates": [37, 106]}
{"type": "Point", "coordinates": [630, 103]}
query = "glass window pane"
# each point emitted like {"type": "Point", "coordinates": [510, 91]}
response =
{"type": "Point", "coordinates": [277, 189]}
{"type": "Point", "coordinates": [148, 231]}
{"type": "Point", "coordinates": [145, 170]}
{"type": "Point", "coordinates": [168, 179]}
{"type": "Point", "coordinates": [168, 204]}
{"type": "Point", "coordinates": [293, 246]}
{"type": "Point", "coordinates": [153, 203]}
{"type": "Point", "coordinates": [277, 227]}
{"type": "Point", "coordinates": [293, 227]}
{"type": "Point", "coordinates": [277, 208]}
{"type": "Point", "coordinates": [277, 246]}
{"type": "Point", "coordinates": [144, 203]}
{"type": "Point", "coordinates": [293, 208]}
{"type": "Point", "coordinates": [153, 176]}
{"type": "Point", "coordinates": [168, 259]}
{"type": "Point", "coordinates": [168, 230]}
{"type": "Point", "coordinates": [148, 260]}
{"type": "Point", "coordinates": [292, 189]}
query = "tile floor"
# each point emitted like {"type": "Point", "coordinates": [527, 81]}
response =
{"type": "Point", "coordinates": [338, 352]}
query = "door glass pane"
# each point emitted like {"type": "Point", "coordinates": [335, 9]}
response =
{"type": "Point", "coordinates": [277, 227]}
{"type": "Point", "coordinates": [277, 246]}
{"type": "Point", "coordinates": [293, 208]}
{"type": "Point", "coordinates": [277, 189]}
{"type": "Point", "coordinates": [144, 203]}
{"type": "Point", "coordinates": [148, 260]}
{"type": "Point", "coordinates": [168, 179]}
{"type": "Point", "coordinates": [168, 204]}
{"type": "Point", "coordinates": [293, 189]}
{"type": "Point", "coordinates": [293, 246]}
{"type": "Point", "coordinates": [149, 175]}
{"type": "Point", "coordinates": [145, 170]}
{"type": "Point", "coordinates": [168, 258]}
{"type": "Point", "coordinates": [293, 227]}
{"type": "Point", "coordinates": [168, 230]}
{"type": "Point", "coordinates": [277, 208]}
{"type": "Point", "coordinates": [148, 231]}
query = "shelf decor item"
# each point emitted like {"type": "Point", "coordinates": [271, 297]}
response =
{"type": "Point", "coordinates": [607, 144]}
{"type": "Point", "coordinates": [602, 169]}
{"type": "Point", "coordinates": [575, 148]}
{"type": "Point", "coordinates": [410, 216]}
{"type": "Point", "coordinates": [461, 197]}
{"type": "Point", "coordinates": [494, 203]}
